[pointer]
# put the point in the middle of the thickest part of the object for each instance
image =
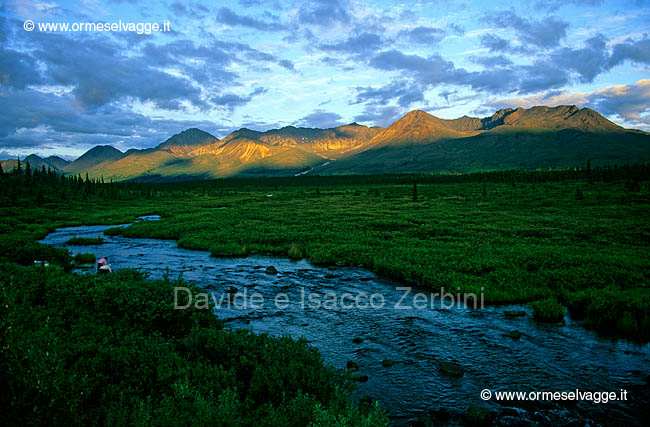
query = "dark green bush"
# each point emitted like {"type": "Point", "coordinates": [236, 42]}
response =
{"type": "Point", "coordinates": [84, 258]}
{"type": "Point", "coordinates": [25, 252]}
{"type": "Point", "coordinates": [548, 310]}
{"type": "Point", "coordinates": [613, 312]}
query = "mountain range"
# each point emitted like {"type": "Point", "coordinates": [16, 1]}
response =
{"type": "Point", "coordinates": [538, 137]}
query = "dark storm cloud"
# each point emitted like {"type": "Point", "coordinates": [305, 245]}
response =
{"type": "Point", "coordinates": [320, 119]}
{"type": "Point", "coordinates": [422, 35]}
{"type": "Point", "coordinates": [594, 58]}
{"type": "Point", "coordinates": [324, 13]}
{"type": "Point", "coordinates": [228, 17]}
{"type": "Point", "coordinates": [101, 71]}
{"type": "Point", "coordinates": [29, 108]}
{"type": "Point", "coordinates": [541, 75]}
{"type": "Point", "coordinates": [356, 45]}
{"type": "Point", "coordinates": [544, 33]}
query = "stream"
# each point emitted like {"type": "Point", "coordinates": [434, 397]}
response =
{"type": "Point", "coordinates": [401, 349]}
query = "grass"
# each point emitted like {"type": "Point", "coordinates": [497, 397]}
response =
{"type": "Point", "coordinates": [85, 241]}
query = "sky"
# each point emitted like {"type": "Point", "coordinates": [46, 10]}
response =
{"type": "Point", "coordinates": [262, 64]}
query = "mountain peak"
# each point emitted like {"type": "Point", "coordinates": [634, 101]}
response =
{"type": "Point", "coordinates": [183, 141]}
{"type": "Point", "coordinates": [93, 158]}
{"type": "Point", "coordinates": [416, 127]}
{"type": "Point", "coordinates": [417, 114]}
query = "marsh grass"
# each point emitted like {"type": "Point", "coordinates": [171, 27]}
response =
{"type": "Point", "coordinates": [518, 243]}
{"type": "Point", "coordinates": [84, 258]}
{"type": "Point", "coordinates": [548, 310]}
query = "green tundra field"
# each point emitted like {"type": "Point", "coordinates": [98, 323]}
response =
{"type": "Point", "coordinates": [559, 240]}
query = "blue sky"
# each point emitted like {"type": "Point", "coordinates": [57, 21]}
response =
{"type": "Point", "coordinates": [264, 64]}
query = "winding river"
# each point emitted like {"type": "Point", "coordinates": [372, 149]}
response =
{"type": "Point", "coordinates": [401, 349]}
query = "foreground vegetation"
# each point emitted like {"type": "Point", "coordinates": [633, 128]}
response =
{"type": "Point", "coordinates": [89, 350]}
{"type": "Point", "coordinates": [114, 347]}
{"type": "Point", "coordinates": [112, 350]}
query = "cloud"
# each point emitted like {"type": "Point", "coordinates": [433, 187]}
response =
{"type": "Point", "coordinates": [285, 63]}
{"type": "Point", "coordinates": [194, 11]}
{"type": "Point", "coordinates": [403, 91]}
{"type": "Point", "coordinates": [18, 69]}
{"type": "Point", "coordinates": [494, 43]}
{"type": "Point", "coordinates": [357, 45]}
{"type": "Point", "coordinates": [230, 101]}
{"type": "Point", "coordinates": [545, 33]}
{"type": "Point", "coordinates": [320, 119]}
{"type": "Point", "coordinates": [380, 116]}
{"type": "Point", "coordinates": [499, 61]}
{"type": "Point", "coordinates": [228, 17]}
{"type": "Point", "coordinates": [324, 13]}
{"type": "Point", "coordinates": [588, 61]}
{"type": "Point", "coordinates": [108, 75]}
{"type": "Point", "coordinates": [433, 69]}
{"type": "Point", "coordinates": [550, 5]}
{"type": "Point", "coordinates": [422, 35]}
{"type": "Point", "coordinates": [33, 120]}
{"type": "Point", "coordinates": [637, 51]}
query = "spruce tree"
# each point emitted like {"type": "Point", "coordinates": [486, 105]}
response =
{"type": "Point", "coordinates": [579, 195]}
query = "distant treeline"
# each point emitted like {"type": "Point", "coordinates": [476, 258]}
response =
{"type": "Point", "coordinates": [631, 173]}
{"type": "Point", "coordinates": [24, 184]}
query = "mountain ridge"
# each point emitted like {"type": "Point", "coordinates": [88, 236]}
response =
{"type": "Point", "coordinates": [539, 136]}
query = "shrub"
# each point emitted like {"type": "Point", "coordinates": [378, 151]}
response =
{"type": "Point", "coordinates": [548, 310]}
{"type": "Point", "coordinates": [84, 258]}
{"type": "Point", "coordinates": [295, 252]}
{"type": "Point", "coordinates": [96, 350]}
{"type": "Point", "coordinates": [25, 252]}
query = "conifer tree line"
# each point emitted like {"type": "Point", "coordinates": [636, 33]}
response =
{"type": "Point", "coordinates": [24, 184]}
